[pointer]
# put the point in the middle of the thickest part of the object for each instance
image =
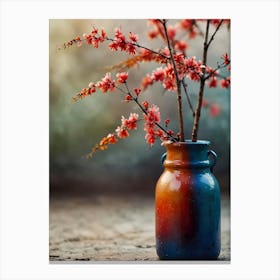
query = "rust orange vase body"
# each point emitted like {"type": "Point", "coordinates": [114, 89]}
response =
{"type": "Point", "coordinates": [187, 204]}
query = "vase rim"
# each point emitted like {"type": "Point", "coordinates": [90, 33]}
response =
{"type": "Point", "coordinates": [188, 142]}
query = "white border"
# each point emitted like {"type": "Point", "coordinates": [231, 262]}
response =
{"type": "Point", "coordinates": [254, 130]}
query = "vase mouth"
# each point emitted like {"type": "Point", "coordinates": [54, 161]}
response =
{"type": "Point", "coordinates": [187, 142]}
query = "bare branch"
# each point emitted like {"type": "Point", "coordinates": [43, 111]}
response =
{"type": "Point", "coordinates": [188, 97]}
{"type": "Point", "coordinates": [179, 96]}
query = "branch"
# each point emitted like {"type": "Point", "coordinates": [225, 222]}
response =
{"type": "Point", "coordinates": [75, 41]}
{"type": "Point", "coordinates": [212, 37]}
{"type": "Point", "coordinates": [188, 97]}
{"type": "Point", "coordinates": [201, 89]}
{"type": "Point", "coordinates": [135, 99]}
{"type": "Point", "coordinates": [179, 96]}
{"type": "Point", "coordinates": [217, 68]}
{"type": "Point", "coordinates": [142, 47]}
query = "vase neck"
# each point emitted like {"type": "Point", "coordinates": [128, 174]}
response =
{"type": "Point", "coordinates": [187, 155]}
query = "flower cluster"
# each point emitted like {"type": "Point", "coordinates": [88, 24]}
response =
{"type": "Point", "coordinates": [175, 68]}
{"type": "Point", "coordinates": [190, 26]}
{"type": "Point", "coordinates": [122, 77]}
{"type": "Point", "coordinates": [119, 42]}
{"type": "Point", "coordinates": [121, 132]}
{"type": "Point", "coordinates": [152, 117]}
{"type": "Point", "coordinates": [187, 68]}
{"type": "Point", "coordinates": [105, 85]}
{"type": "Point", "coordinates": [85, 92]}
{"type": "Point", "coordinates": [225, 83]}
{"type": "Point", "coordinates": [127, 124]}
{"type": "Point", "coordinates": [152, 128]}
{"type": "Point", "coordinates": [94, 38]}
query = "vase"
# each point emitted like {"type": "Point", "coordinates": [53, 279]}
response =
{"type": "Point", "coordinates": [187, 203]}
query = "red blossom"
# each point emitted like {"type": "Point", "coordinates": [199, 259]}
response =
{"type": "Point", "coordinates": [94, 38]}
{"type": "Point", "coordinates": [147, 81]}
{"type": "Point", "coordinates": [119, 35]}
{"type": "Point", "coordinates": [192, 34]}
{"type": "Point", "coordinates": [150, 138]}
{"type": "Point", "coordinates": [137, 91]}
{"type": "Point", "coordinates": [122, 132]}
{"type": "Point", "coordinates": [181, 45]}
{"type": "Point", "coordinates": [171, 32]}
{"type": "Point", "coordinates": [169, 71]}
{"type": "Point", "coordinates": [226, 59]}
{"type": "Point", "coordinates": [158, 29]}
{"type": "Point", "coordinates": [127, 124]}
{"type": "Point", "coordinates": [114, 46]}
{"type": "Point", "coordinates": [153, 34]}
{"type": "Point", "coordinates": [131, 49]}
{"type": "Point", "coordinates": [215, 21]}
{"type": "Point", "coordinates": [194, 76]}
{"type": "Point", "coordinates": [189, 25]}
{"type": "Point", "coordinates": [213, 82]}
{"type": "Point", "coordinates": [151, 118]}
{"type": "Point", "coordinates": [153, 114]}
{"type": "Point", "coordinates": [169, 84]}
{"type": "Point", "coordinates": [112, 139]}
{"type": "Point", "coordinates": [145, 104]}
{"type": "Point", "coordinates": [120, 43]}
{"type": "Point", "coordinates": [186, 67]}
{"type": "Point", "coordinates": [186, 24]}
{"type": "Point", "coordinates": [103, 144]}
{"type": "Point", "coordinates": [170, 132]}
{"type": "Point", "coordinates": [128, 98]}
{"type": "Point", "coordinates": [225, 83]}
{"type": "Point", "coordinates": [102, 36]}
{"type": "Point", "coordinates": [158, 74]}
{"type": "Point", "coordinates": [211, 71]}
{"type": "Point", "coordinates": [215, 110]}
{"type": "Point", "coordinates": [106, 83]}
{"type": "Point", "coordinates": [131, 122]}
{"type": "Point", "coordinates": [146, 55]}
{"type": "Point", "coordinates": [166, 122]}
{"type": "Point", "coordinates": [85, 92]}
{"type": "Point", "coordinates": [91, 85]}
{"type": "Point", "coordinates": [133, 37]}
{"type": "Point", "coordinates": [122, 77]}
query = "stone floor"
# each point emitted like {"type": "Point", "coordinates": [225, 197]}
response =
{"type": "Point", "coordinates": [110, 228]}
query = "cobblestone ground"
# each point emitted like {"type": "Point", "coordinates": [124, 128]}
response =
{"type": "Point", "coordinates": [110, 228]}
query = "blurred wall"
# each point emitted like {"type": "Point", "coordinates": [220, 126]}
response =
{"type": "Point", "coordinates": [75, 127]}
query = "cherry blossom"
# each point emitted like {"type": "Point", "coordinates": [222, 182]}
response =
{"type": "Point", "coordinates": [225, 83]}
{"type": "Point", "coordinates": [106, 84]}
{"type": "Point", "coordinates": [213, 82]}
{"type": "Point", "coordinates": [122, 77]}
{"type": "Point", "coordinates": [226, 59]}
{"type": "Point", "coordinates": [174, 68]}
{"type": "Point", "coordinates": [122, 132]}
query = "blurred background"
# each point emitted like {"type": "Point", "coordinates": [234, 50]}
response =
{"type": "Point", "coordinates": [130, 165]}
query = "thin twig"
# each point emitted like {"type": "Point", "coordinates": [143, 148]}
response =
{"type": "Point", "coordinates": [142, 47]}
{"type": "Point", "coordinates": [188, 97]}
{"type": "Point", "coordinates": [135, 99]}
{"type": "Point", "coordinates": [212, 37]}
{"type": "Point", "coordinates": [217, 68]}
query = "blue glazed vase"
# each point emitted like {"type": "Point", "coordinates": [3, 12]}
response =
{"type": "Point", "coordinates": [187, 203]}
